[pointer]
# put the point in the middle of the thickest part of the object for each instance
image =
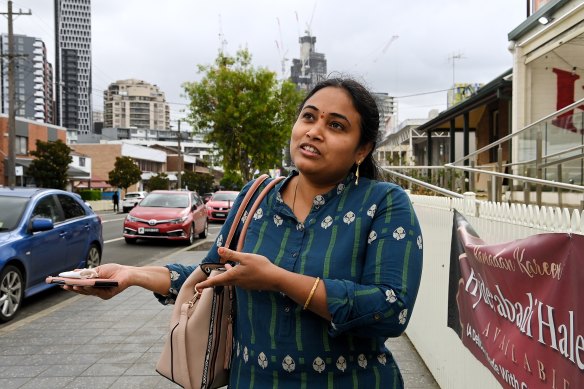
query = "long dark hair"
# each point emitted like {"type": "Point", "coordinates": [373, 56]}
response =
{"type": "Point", "coordinates": [366, 106]}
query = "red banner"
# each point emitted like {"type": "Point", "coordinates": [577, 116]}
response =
{"type": "Point", "coordinates": [515, 306]}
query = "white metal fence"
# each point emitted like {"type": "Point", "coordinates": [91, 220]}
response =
{"type": "Point", "coordinates": [452, 365]}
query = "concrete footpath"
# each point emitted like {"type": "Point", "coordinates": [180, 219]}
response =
{"type": "Point", "coordinates": [86, 342]}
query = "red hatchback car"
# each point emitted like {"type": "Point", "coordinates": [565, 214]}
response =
{"type": "Point", "coordinates": [167, 214]}
{"type": "Point", "coordinates": [219, 205]}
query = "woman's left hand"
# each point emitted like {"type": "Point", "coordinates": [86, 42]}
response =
{"type": "Point", "coordinates": [251, 272]}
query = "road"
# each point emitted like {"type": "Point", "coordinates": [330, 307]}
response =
{"type": "Point", "coordinates": [115, 250]}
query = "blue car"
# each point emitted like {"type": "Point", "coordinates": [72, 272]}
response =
{"type": "Point", "coordinates": [42, 232]}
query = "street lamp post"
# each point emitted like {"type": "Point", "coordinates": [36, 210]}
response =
{"type": "Point", "coordinates": [180, 159]}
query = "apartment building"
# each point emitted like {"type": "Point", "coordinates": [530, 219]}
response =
{"type": "Point", "coordinates": [135, 104]}
{"type": "Point", "coordinates": [73, 64]}
{"type": "Point", "coordinates": [33, 78]}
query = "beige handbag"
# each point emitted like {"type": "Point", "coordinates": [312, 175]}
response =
{"type": "Point", "coordinates": [197, 351]}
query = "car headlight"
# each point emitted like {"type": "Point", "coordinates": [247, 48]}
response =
{"type": "Point", "coordinates": [131, 218]}
{"type": "Point", "coordinates": [179, 220]}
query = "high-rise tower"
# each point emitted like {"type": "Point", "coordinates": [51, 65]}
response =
{"type": "Point", "coordinates": [73, 64]}
{"type": "Point", "coordinates": [33, 78]}
{"type": "Point", "coordinates": [310, 68]}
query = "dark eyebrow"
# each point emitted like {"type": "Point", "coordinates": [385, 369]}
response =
{"type": "Point", "coordinates": [338, 115]}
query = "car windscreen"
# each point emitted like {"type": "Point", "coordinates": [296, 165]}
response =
{"type": "Point", "coordinates": [11, 210]}
{"type": "Point", "coordinates": [132, 195]}
{"type": "Point", "coordinates": [224, 197]}
{"type": "Point", "coordinates": [165, 200]}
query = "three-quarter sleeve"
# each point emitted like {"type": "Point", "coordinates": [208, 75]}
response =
{"type": "Point", "coordinates": [381, 302]}
{"type": "Point", "coordinates": [178, 275]}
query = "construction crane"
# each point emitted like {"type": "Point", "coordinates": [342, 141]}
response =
{"type": "Point", "coordinates": [281, 51]}
{"type": "Point", "coordinates": [384, 50]}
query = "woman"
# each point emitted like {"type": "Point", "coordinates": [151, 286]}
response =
{"type": "Point", "coordinates": [331, 263]}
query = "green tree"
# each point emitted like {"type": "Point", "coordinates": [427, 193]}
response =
{"type": "Point", "coordinates": [125, 174]}
{"type": "Point", "coordinates": [201, 183]}
{"type": "Point", "coordinates": [159, 182]}
{"type": "Point", "coordinates": [244, 110]}
{"type": "Point", "coordinates": [231, 181]}
{"type": "Point", "coordinates": [49, 169]}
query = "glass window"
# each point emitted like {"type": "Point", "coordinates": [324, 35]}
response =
{"type": "Point", "coordinates": [11, 209]}
{"type": "Point", "coordinates": [21, 145]}
{"type": "Point", "coordinates": [71, 207]}
{"type": "Point", "coordinates": [47, 208]}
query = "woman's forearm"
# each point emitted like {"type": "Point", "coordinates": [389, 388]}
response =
{"type": "Point", "coordinates": [153, 278]}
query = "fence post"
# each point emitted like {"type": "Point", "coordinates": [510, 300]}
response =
{"type": "Point", "coordinates": [471, 183]}
{"type": "Point", "coordinates": [560, 202]}
{"type": "Point", "coordinates": [499, 180]}
{"type": "Point", "coordinates": [470, 203]}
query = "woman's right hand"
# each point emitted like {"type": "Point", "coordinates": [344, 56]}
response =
{"type": "Point", "coordinates": [111, 271]}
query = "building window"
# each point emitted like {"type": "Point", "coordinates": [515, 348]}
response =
{"type": "Point", "coordinates": [82, 161]}
{"type": "Point", "coordinates": [21, 145]}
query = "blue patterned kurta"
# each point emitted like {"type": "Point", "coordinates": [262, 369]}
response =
{"type": "Point", "coordinates": [365, 243]}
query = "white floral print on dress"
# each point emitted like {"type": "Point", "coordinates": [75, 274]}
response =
{"type": "Point", "coordinates": [244, 216]}
{"type": "Point", "coordinates": [403, 315]}
{"type": "Point", "coordinates": [318, 201]}
{"type": "Point", "coordinates": [390, 296]}
{"type": "Point", "coordinates": [219, 241]}
{"type": "Point", "coordinates": [362, 360]}
{"type": "Point", "coordinates": [279, 198]}
{"type": "Point", "coordinates": [419, 242]}
{"type": "Point", "coordinates": [340, 188]}
{"type": "Point", "coordinates": [318, 365]}
{"type": "Point", "coordinates": [399, 233]}
{"type": "Point", "coordinates": [341, 363]}
{"type": "Point", "coordinates": [382, 358]}
{"type": "Point", "coordinates": [278, 220]}
{"type": "Point", "coordinates": [300, 227]}
{"type": "Point", "coordinates": [262, 360]}
{"type": "Point", "coordinates": [288, 364]}
{"type": "Point", "coordinates": [371, 210]}
{"type": "Point", "coordinates": [258, 214]}
{"type": "Point", "coordinates": [245, 354]}
{"type": "Point", "coordinates": [372, 237]}
{"type": "Point", "coordinates": [326, 223]}
{"type": "Point", "coordinates": [349, 217]}
{"type": "Point", "coordinates": [174, 275]}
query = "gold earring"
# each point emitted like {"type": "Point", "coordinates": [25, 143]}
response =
{"type": "Point", "coordinates": [357, 173]}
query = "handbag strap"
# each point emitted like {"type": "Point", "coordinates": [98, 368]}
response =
{"type": "Point", "coordinates": [254, 208]}
{"type": "Point", "coordinates": [242, 207]}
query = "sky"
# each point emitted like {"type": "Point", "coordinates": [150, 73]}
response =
{"type": "Point", "coordinates": [403, 48]}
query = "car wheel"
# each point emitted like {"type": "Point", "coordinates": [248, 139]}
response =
{"type": "Point", "coordinates": [191, 235]}
{"type": "Point", "coordinates": [93, 257]}
{"type": "Point", "coordinates": [130, 240]}
{"type": "Point", "coordinates": [205, 232]}
{"type": "Point", "coordinates": [124, 209]}
{"type": "Point", "coordinates": [11, 293]}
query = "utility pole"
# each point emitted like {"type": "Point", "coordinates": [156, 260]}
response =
{"type": "Point", "coordinates": [180, 159]}
{"type": "Point", "coordinates": [11, 166]}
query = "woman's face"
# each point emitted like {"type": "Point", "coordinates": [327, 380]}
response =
{"type": "Point", "coordinates": [325, 137]}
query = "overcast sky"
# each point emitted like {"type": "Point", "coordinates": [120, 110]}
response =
{"type": "Point", "coordinates": [403, 48]}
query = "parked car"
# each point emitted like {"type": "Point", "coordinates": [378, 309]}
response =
{"type": "Point", "coordinates": [220, 204]}
{"type": "Point", "coordinates": [167, 214]}
{"type": "Point", "coordinates": [42, 232]}
{"type": "Point", "coordinates": [131, 199]}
